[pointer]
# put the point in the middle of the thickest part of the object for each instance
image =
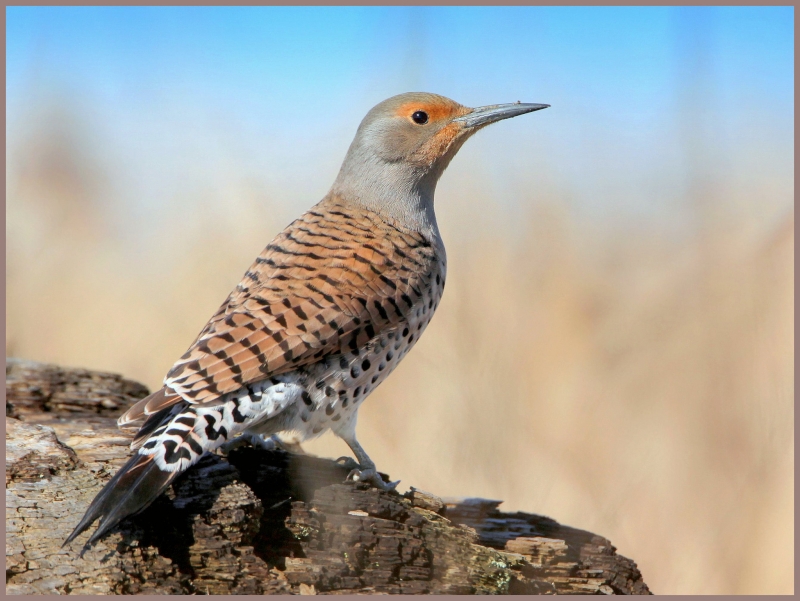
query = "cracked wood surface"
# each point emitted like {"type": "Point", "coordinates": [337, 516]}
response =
{"type": "Point", "coordinates": [257, 521]}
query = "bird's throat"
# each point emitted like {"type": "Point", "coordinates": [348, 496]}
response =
{"type": "Point", "coordinates": [396, 191]}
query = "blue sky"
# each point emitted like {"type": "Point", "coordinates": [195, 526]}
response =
{"type": "Point", "coordinates": [174, 92]}
{"type": "Point", "coordinates": [294, 55]}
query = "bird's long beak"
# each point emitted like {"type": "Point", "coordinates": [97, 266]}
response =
{"type": "Point", "coordinates": [484, 115]}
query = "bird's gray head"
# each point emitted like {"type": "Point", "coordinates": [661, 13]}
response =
{"type": "Point", "coordinates": [401, 149]}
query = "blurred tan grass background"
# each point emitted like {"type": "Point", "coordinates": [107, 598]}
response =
{"type": "Point", "coordinates": [619, 377]}
{"type": "Point", "coordinates": [629, 373]}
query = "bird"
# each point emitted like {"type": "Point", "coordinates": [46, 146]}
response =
{"type": "Point", "coordinates": [324, 314]}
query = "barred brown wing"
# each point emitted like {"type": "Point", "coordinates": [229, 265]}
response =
{"type": "Point", "coordinates": [333, 279]}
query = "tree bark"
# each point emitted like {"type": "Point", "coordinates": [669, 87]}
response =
{"type": "Point", "coordinates": [257, 521]}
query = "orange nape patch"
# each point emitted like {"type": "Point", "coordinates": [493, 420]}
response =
{"type": "Point", "coordinates": [436, 110]}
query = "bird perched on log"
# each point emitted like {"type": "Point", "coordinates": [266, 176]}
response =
{"type": "Point", "coordinates": [322, 317]}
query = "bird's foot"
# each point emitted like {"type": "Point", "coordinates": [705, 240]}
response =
{"type": "Point", "coordinates": [371, 476]}
{"type": "Point", "coordinates": [255, 440]}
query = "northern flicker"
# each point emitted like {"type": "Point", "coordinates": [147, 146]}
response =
{"type": "Point", "coordinates": [322, 317]}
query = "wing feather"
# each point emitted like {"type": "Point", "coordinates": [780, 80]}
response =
{"type": "Point", "coordinates": [333, 279]}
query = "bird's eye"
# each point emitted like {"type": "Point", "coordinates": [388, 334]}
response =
{"type": "Point", "coordinates": [420, 117]}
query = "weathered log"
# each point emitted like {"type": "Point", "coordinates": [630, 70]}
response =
{"type": "Point", "coordinates": [257, 521]}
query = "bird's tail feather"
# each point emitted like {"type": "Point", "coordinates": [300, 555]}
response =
{"type": "Point", "coordinates": [171, 440]}
{"type": "Point", "coordinates": [135, 486]}
{"type": "Point", "coordinates": [153, 422]}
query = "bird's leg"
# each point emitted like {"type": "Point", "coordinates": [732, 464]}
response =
{"type": "Point", "coordinates": [364, 470]}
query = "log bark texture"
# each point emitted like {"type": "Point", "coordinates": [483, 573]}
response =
{"type": "Point", "coordinates": [257, 521]}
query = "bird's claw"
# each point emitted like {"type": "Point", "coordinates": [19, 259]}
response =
{"type": "Point", "coordinates": [348, 463]}
{"type": "Point", "coordinates": [371, 476]}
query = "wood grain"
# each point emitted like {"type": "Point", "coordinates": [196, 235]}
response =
{"type": "Point", "coordinates": [258, 521]}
